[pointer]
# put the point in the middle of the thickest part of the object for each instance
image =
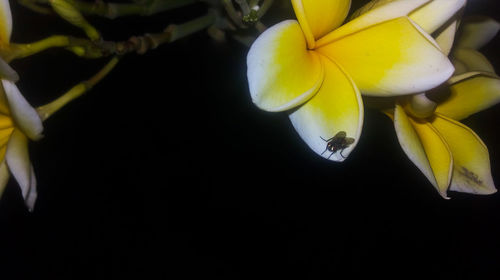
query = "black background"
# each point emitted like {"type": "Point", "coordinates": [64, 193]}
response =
{"type": "Point", "coordinates": [166, 170]}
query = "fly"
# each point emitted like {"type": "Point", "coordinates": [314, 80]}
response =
{"type": "Point", "coordinates": [336, 143]}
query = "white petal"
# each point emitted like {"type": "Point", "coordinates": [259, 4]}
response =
{"type": "Point", "coordinates": [18, 161]}
{"type": "Point", "coordinates": [436, 13]}
{"type": "Point", "coordinates": [6, 72]}
{"type": "Point", "coordinates": [477, 32]}
{"type": "Point", "coordinates": [30, 198]}
{"type": "Point", "coordinates": [25, 116]}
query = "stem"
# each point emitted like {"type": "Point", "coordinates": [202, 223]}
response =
{"type": "Point", "coordinates": [24, 50]}
{"type": "Point", "coordinates": [32, 5]}
{"type": "Point", "coordinates": [264, 8]}
{"type": "Point", "coordinates": [71, 14]}
{"type": "Point", "coordinates": [114, 10]}
{"type": "Point", "coordinates": [89, 49]}
{"type": "Point", "coordinates": [173, 32]}
{"type": "Point", "coordinates": [260, 26]}
{"type": "Point", "coordinates": [47, 110]}
{"type": "Point", "coordinates": [190, 27]}
{"type": "Point", "coordinates": [244, 7]}
{"type": "Point", "coordinates": [253, 3]}
{"type": "Point", "coordinates": [80, 46]}
{"type": "Point", "coordinates": [232, 13]}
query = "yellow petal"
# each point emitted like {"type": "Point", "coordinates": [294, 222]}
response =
{"type": "Point", "coordinates": [5, 134]}
{"type": "Point", "coordinates": [434, 14]}
{"type": "Point", "coordinates": [380, 12]}
{"type": "Point", "coordinates": [25, 116]}
{"type": "Point", "coordinates": [469, 94]}
{"type": "Point", "coordinates": [473, 60]}
{"type": "Point", "coordinates": [391, 58]}
{"type": "Point", "coordinates": [425, 148]}
{"type": "Point", "coordinates": [446, 37]}
{"type": "Point", "coordinates": [336, 107]}
{"type": "Point", "coordinates": [319, 17]}
{"type": "Point", "coordinates": [5, 23]}
{"type": "Point", "coordinates": [282, 73]}
{"type": "Point", "coordinates": [4, 104]}
{"type": "Point", "coordinates": [471, 163]}
{"type": "Point", "coordinates": [477, 32]}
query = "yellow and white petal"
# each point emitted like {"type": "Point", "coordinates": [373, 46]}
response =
{"type": "Point", "coordinates": [336, 107]}
{"type": "Point", "coordinates": [436, 13]}
{"type": "Point", "coordinates": [4, 176]}
{"type": "Point", "coordinates": [471, 163]}
{"type": "Point", "coordinates": [319, 17]}
{"type": "Point", "coordinates": [477, 32]}
{"type": "Point", "coordinates": [281, 72]}
{"type": "Point", "coordinates": [5, 23]}
{"type": "Point", "coordinates": [446, 37]}
{"type": "Point", "coordinates": [19, 164]}
{"type": "Point", "coordinates": [469, 94]}
{"type": "Point", "coordinates": [391, 58]}
{"type": "Point", "coordinates": [473, 60]}
{"type": "Point", "coordinates": [25, 116]}
{"type": "Point", "coordinates": [425, 148]}
{"type": "Point", "coordinates": [383, 11]}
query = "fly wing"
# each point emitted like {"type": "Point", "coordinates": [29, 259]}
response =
{"type": "Point", "coordinates": [348, 141]}
{"type": "Point", "coordinates": [340, 134]}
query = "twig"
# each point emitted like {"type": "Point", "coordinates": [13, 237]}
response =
{"type": "Point", "coordinates": [47, 110]}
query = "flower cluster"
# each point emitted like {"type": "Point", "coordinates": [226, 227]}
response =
{"type": "Point", "coordinates": [316, 69]}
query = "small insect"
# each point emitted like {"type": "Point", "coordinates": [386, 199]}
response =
{"type": "Point", "coordinates": [336, 143]}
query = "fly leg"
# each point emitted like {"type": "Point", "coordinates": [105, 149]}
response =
{"type": "Point", "coordinates": [342, 154]}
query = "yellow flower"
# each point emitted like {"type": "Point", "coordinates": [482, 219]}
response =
{"type": "Point", "coordinates": [18, 122]}
{"type": "Point", "coordinates": [323, 67]}
{"type": "Point", "coordinates": [449, 153]}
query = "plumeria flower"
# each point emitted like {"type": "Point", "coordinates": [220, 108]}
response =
{"type": "Point", "coordinates": [318, 68]}
{"type": "Point", "coordinates": [18, 123]}
{"type": "Point", "coordinates": [450, 154]}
